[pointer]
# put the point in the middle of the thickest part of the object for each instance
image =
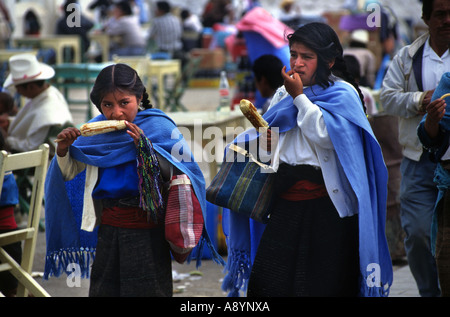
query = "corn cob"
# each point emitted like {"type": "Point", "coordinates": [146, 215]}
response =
{"type": "Point", "coordinates": [93, 128]}
{"type": "Point", "coordinates": [252, 114]}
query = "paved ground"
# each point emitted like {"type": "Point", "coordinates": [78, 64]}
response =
{"type": "Point", "coordinates": [189, 281]}
{"type": "Point", "coordinates": [404, 284]}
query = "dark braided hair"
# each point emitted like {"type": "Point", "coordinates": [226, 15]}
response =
{"type": "Point", "coordinates": [323, 40]}
{"type": "Point", "coordinates": [119, 77]}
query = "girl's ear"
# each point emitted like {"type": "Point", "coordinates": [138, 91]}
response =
{"type": "Point", "coordinates": [139, 103]}
{"type": "Point", "coordinates": [331, 64]}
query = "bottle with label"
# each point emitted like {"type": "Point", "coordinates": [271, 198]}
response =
{"type": "Point", "coordinates": [224, 91]}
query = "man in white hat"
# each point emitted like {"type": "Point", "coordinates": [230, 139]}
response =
{"type": "Point", "coordinates": [44, 109]}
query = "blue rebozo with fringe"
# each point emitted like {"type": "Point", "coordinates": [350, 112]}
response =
{"type": "Point", "coordinates": [362, 164]}
{"type": "Point", "coordinates": [66, 242]}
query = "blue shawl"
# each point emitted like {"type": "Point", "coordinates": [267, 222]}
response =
{"type": "Point", "coordinates": [362, 163]}
{"type": "Point", "coordinates": [66, 242]}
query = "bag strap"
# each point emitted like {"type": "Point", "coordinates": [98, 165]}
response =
{"type": "Point", "coordinates": [244, 152]}
{"type": "Point", "coordinates": [180, 181]}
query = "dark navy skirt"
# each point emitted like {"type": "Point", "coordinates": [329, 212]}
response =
{"type": "Point", "coordinates": [306, 250]}
{"type": "Point", "coordinates": [131, 262]}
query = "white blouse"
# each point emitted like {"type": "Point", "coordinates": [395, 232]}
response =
{"type": "Point", "coordinates": [309, 143]}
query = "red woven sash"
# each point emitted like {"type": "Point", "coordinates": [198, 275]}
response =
{"type": "Point", "coordinates": [304, 190]}
{"type": "Point", "coordinates": [129, 217]}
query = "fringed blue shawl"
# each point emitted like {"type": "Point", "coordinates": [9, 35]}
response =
{"type": "Point", "coordinates": [66, 242]}
{"type": "Point", "coordinates": [362, 163]}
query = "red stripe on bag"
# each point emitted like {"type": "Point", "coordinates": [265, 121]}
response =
{"type": "Point", "coordinates": [184, 218]}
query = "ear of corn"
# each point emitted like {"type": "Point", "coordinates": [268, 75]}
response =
{"type": "Point", "coordinates": [99, 127]}
{"type": "Point", "coordinates": [252, 114]}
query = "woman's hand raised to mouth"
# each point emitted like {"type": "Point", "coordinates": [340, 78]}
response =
{"type": "Point", "coordinates": [292, 82]}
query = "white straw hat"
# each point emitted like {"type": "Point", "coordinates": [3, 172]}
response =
{"type": "Point", "coordinates": [25, 68]}
{"type": "Point", "coordinates": [361, 36]}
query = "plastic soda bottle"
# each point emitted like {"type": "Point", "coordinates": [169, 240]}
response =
{"type": "Point", "coordinates": [224, 91]}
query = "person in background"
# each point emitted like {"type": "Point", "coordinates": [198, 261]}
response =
{"type": "Point", "coordinates": [192, 30]}
{"type": "Point", "coordinates": [6, 26]}
{"type": "Point", "coordinates": [190, 21]}
{"type": "Point", "coordinates": [217, 11]}
{"type": "Point", "coordinates": [355, 69]}
{"type": "Point", "coordinates": [100, 8]}
{"type": "Point", "coordinates": [45, 108]}
{"type": "Point", "coordinates": [8, 200]}
{"type": "Point", "coordinates": [366, 59]}
{"type": "Point", "coordinates": [267, 72]}
{"type": "Point", "coordinates": [433, 133]}
{"type": "Point", "coordinates": [64, 26]}
{"type": "Point", "coordinates": [8, 109]}
{"type": "Point", "coordinates": [290, 13]}
{"type": "Point", "coordinates": [407, 88]}
{"type": "Point", "coordinates": [125, 31]}
{"type": "Point", "coordinates": [141, 9]}
{"type": "Point", "coordinates": [166, 31]}
{"type": "Point", "coordinates": [32, 24]}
